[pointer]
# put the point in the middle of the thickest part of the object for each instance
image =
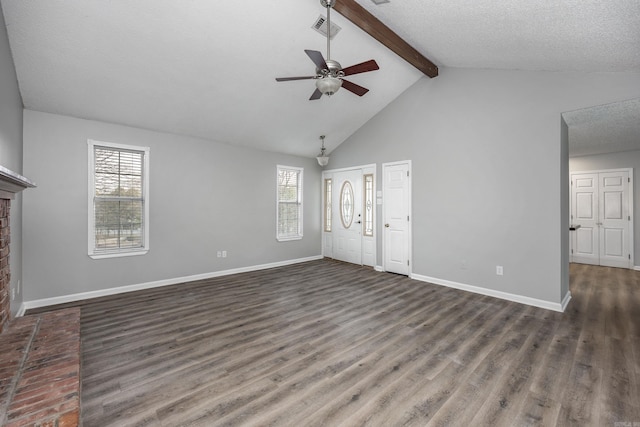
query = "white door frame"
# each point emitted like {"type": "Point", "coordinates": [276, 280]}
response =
{"type": "Point", "coordinates": [329, 174]}
{"type": "Point", "coordinates": [630, 201]}
{"type": "Point", "coordinates": [409, 207]}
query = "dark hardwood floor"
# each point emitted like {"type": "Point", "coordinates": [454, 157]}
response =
{"type": "Point", "coordinates": [326, 343]}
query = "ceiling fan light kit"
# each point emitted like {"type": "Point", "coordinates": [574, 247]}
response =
{"type": "Point", "coordinates": [328, 85]}
{"type": "Point", "coordinates": [329, 73]}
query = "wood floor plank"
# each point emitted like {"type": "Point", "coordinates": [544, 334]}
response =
{"type": "Point", "coordinates": [347, 364]}
{"type": "Point", "coordinates": [511, 392]}
{"type": "Point", "coordinates": [328, 343]}
{"type": "Point", "coordinates": [622, 402]}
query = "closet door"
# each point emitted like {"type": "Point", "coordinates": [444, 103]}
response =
{"type": "Point", "coordinates": [614, 218]}
{"type": "Point", "coordinates": [600, 210]}
{"type": "Point", "coordinates": [584, 213]}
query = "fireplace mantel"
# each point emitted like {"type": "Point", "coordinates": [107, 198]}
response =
{"type": "Point", "coordinates": [12, 183]}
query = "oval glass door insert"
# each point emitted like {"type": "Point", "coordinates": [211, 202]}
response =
{"type": "Point", "coordinates": [346, 204]}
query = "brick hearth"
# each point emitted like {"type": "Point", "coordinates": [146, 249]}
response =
{"type": "Point", "coordinates": [40, 370]}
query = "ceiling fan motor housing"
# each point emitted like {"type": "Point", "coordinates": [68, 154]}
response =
{"type": "Point", "coordinates": [329, 81]}
{"type": "Point", "coordinates": [335, 69]}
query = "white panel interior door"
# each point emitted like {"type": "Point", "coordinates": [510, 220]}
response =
{"type": "Point", "coordinates": [396, 218]}
{"type": "Point", "coordinates": [584, 208]}
{"type": "Point", "coordinates": [347, 216]}
{"type": "Point", "coordinates": [614, 219]}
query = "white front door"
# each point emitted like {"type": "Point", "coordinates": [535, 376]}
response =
{"type": "Point", "coordinates": [347, 216]}
{"type": "Point", "coordinates": [600, 207]}
{"type": "Point", "coordinates": [396, 200]}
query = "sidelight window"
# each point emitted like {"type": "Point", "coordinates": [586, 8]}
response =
{"type": "Point", "coordinates": [368, 205]}
{"type": "Point", "coordinates": [327, 204]}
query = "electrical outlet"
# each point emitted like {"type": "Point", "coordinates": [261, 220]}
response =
{"type": "Point", "coordinates": [219, 254]}
{"type": "Point", "coordinates": [224, 254]}
{"type": "Point", "coordinates": [499, 270]}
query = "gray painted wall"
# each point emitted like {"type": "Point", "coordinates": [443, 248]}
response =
{"type": "Point", "coordinates": [626, 159]}
{"type": "Point", "coordinates": [489, 171]}
{"type": "Point", "coordinates": [204, 197]}
{"type": "Point", "coordinates": [11, 153]}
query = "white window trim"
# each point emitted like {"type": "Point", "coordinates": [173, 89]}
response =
{"type": "Point", "coordinates": [116, 253]}
{"type": "Point", "coordinates": [300, 193]}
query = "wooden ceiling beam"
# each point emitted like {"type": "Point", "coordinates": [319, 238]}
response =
{"type": "Point", "coordinates": [376, 29]}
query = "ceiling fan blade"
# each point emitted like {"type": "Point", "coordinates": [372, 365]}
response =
{"type": "Point", "coordinates": [315, 95]}
{"type": "Point", "coordinates": [354, 88]}
{"type": "Point", "coordinates": [363, 67]}
{"type": "Point", "coordinates": [317, 59]}
{"type": "Point", "coordinates": [286, 79]}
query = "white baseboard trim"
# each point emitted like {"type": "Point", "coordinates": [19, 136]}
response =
{"type": "Point", "coordinates": [492, 293]}
{"type": "Point", "coordinates": [27, 305]}
{"type": "Point", "coordinates": [21, 310]}
{"type": "Point", "coordinates": [565, 301]}
{"type": "Point", "coordinates": [378, 268]}
{"type": "Point", "coordinates": [636, 267]}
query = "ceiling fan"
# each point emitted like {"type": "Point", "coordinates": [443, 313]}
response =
{"type": "Point", "coordinates": [330, 75]}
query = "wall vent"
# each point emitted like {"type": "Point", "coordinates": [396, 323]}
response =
{"type": "Point", "coordinates": [321, 26]}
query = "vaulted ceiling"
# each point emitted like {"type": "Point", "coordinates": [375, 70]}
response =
{"type": "Point", "coordinates": [207, 69]}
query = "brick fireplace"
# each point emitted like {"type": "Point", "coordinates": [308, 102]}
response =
{"type": "Point", "coordinates": [5, 274]}
{"type": "Point", "coordinates": [10, 184]}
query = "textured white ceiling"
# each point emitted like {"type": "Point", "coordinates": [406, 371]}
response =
{"type": "Point", "coordinates": [604, 128]}
{"type": "Point", "coordinates": [207, 69]}
{"type": "Point", "coordinates": [554, 35]}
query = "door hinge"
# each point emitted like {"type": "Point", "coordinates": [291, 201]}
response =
{"type": "Point", "coordinates": [571, 250]}
{"type": "Point", "coordinates": [407, 262]}
{"type": "Point", "coordinates": [572, 183]}
{"type": "Point", "coordinates": [407, 173]}
{"type": "Point", "coordinates": [629, 218]}
{"type": "Point", "coordinates": [628, 179]}
{"type": "Point", "coordinates": [407, 217]}
{"type": "Point", "coordinates": [629, 256]}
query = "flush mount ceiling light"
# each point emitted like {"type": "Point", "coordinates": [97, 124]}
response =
{"type": "Point", "coordinates": [323, 159]}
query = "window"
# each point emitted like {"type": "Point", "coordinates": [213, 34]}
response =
{"type": "Point", "coordinates": [346, 204]}
{"type": "Point", "coordinates": [289, 221]}
{"type": "Point", "coordinates": [327, 205]}
{"type": "Point", "coordinates": [368, 205]}
{"type": "Point", "coordinates": [118, 200]}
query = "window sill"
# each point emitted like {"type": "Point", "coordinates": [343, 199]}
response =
{"type": "Point", "coordinates": [118, 254]}
{"type": "Point", "coordinates": [288, 238]}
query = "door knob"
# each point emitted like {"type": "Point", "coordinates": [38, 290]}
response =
{"type": "Point", "coordinates": [386, 225]}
